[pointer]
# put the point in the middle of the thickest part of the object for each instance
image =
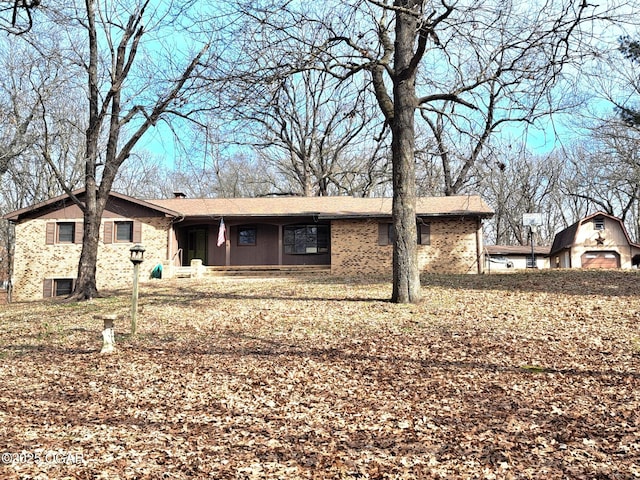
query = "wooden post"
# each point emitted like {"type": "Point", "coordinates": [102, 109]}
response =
{"type": "Point", "coordinates": [137, 257]}
{"type": "Point", "coordinates": [134, 300]}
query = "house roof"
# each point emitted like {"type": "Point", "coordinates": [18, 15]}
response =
{"type": "Point", "coordinates": [322, 207]}
{"type": "Point", "coordinates": [61, 200]}
{"type": "Point", "coordinates": [516, 250]}
{"type": "Point", "coordinates": [566, 238]}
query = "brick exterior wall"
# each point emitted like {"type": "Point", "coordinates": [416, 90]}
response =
{"type": "Point", "coordinates": [34, 261]}
{"type": "Point", "coordinates": [454, 247]}
{"type": "Point", "coordinates": [355, 250]}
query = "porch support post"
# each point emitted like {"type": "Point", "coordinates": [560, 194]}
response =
{"type": "Point", "coordinates": [169, 242]}
{"type": "Point", "coordinates": [280, 243]}
{"type": "Point", "coordinates": [227, 248]}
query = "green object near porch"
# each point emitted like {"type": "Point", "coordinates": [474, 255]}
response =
{"type": "Point", "coordinates": [157, 271]}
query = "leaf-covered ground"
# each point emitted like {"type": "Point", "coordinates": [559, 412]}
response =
{"type": "Point", "coordinates": [532, 375]}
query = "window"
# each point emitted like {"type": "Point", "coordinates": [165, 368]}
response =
{"type": "Point", "coordinates": [306, 239]}
{"type": "Point", "coordinates": [247, 236]}
{"type": "Point", "coordinates": [122, 232]}
{"type": "Point", "coordinates": [598, 223]}
{"type": "Point", "coordinates": [386, 234]}
{"type": "Point", "coordinates": [424, 233]}
{"type": "Point", "coordinates": [65, 232]}
{"type": "Point", "coordinates": [58, 287]}
{"type": "Point", "coordinates": [63, 287]}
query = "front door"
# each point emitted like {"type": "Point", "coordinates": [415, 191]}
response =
{"type": "Point", "coordinates": [196, 245]}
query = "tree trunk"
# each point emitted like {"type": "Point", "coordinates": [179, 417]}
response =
{"type": "Point", "coordinates": [86, 287]}
{"type": "Point", "coordinates": [406, 274]}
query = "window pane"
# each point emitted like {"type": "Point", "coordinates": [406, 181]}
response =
{"type": "Point", "coordinates": [63, 287]}
{"type": "Point", "coordinates": [246, 236]}
{"type": "Point", "coordinates": [300, 241]}
{"type": "Point", "coordinates": [124, 231]}
{"type": "Point", "coordinates": [323, 238]}
{"type": "Point", "coordinates": [65, 232]}
{"type": "Point", "coordinates": [306, 239]}
{"type": "Point", "coordinates": [289, 235]}
{"type": "Point", "coordinates": [424, 234]}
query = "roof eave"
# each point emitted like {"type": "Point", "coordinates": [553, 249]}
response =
{"type": "Point", "coordinates": [418, 214]}
{"type": "Point", "coordinates": [17, 215]}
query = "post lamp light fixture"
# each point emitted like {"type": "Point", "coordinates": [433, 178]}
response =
{"type": "Point", "coordinates": [137, 254]}
{"type": "Point", "coordinates": [137, 257]}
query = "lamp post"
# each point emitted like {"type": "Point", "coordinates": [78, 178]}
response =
{"type": "Point", "coordinates": [137, 257]}
{"type": "Point", "coordinates": [532, 231]}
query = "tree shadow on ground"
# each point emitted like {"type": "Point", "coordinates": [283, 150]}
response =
{"type": "Point", "coordinates": [614, 283]}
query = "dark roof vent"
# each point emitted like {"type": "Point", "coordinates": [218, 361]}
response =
{"type": "Point", "coordinates": [179, 195]}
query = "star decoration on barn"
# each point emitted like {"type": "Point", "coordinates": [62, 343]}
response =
{"type": "Point", "coordinates": [600, 240]}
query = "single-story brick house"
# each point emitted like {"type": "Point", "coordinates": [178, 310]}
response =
{"type": "Point", "coordinates": [343, 236]}
{"type": "Point", "coordinates": [599, 240]}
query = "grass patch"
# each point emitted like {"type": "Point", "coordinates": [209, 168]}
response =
{"type": "Point", "coordinates": [534, 368]}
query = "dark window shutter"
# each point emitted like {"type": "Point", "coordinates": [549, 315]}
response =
{"type": "Point", "coordinates": [79, 232]}
{"type": "Point", "coordinates": [51, 233]}
{"type": "Point", "coordinates": [108, 232]}
{"type": "Point", "coordinates": [137, 232]}
{"type": "Point", "coordinates": [383, 234]}
{"type": "Point", "coordinates": [47, 288]}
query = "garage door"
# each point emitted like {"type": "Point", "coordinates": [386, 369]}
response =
{"type": "Point", "coordinates": [600, 260]}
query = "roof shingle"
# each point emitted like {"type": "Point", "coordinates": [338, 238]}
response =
{"type": "Point", "coordinates": [322, 206]}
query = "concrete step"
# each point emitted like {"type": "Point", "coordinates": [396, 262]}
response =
{"type": "Point", "coordinates": [266, 270]}
{"type": "Point", "coordinates": [182, 272]}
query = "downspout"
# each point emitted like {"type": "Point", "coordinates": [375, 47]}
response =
{"type": "Point", "coordinates": [280, 243]}
{"type": "Point", "coordinates": [479, 249]}
{"type": "Point", "coordinates": [11, 242]}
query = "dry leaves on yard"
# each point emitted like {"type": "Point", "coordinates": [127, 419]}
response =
{"type": "Point", "coordinates": [506, 376]}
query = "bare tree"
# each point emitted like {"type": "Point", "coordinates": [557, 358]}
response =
{"type": "Point", "coordinates": [32, 113]}
{"type": "Point", "coordinates": [628, 108]}
{"type": "Point", "coordinates": [20, 86]}
{"type": "Point", "coordinates": [516, 182]}
{"type": "Point", "coordinates": [17, 16]}
{"type": "Point", "coordinates": [127, 95]}
{"type": "Point", "coordinates": [606, 170]}
{"type": "Point", "coordinates": [605, 163]}
{"type": "Point", "coordinates": [311, 129]}
{"type": "Point", "coordinates": [459, 65]}
{"type": "Point", "coordinates": [230, 176]}
{"type": "Point", "coordinates": [143, 176]}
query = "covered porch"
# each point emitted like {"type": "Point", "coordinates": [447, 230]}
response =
{"type": "Point", "coordinates": [250, 243]}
